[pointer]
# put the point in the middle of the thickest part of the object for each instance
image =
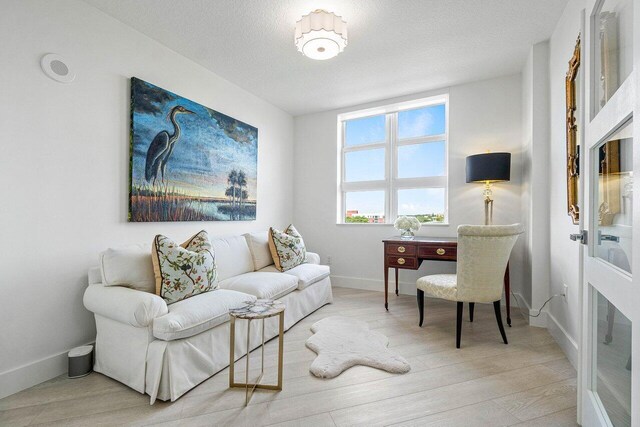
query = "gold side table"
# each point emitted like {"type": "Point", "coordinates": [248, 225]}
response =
{"type": "Point", "coordinates": [258, 309]}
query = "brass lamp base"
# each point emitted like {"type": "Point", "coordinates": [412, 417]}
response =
{"type": "Point", "coordinates": [488, 211]}
{"type": "Point", "coordinates": [488, 204]}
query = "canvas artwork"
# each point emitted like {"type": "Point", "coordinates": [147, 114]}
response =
{"type": "Point", "coordinates": [189, 162]}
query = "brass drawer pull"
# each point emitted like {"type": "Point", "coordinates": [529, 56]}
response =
{"type": "Point", "coordinates": [401, 249]}
{"type": "Point", "coordinates": [440, 251]}
{"type": "Point", "coordinates": [401, 261]}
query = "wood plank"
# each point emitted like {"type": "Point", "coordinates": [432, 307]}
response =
{"type": "Point", "coordinates": [485, 382]}
{"type": "Point", "coordinates": [566, 418]}
{"type": "Point", "coordinates": [414, 405]}
{"type": "Point", "coordinates": [479, 415]}
{"type": "Point", "coordinates": [320, 420]}
{"type": "Point", "coordinates": [541, 401]}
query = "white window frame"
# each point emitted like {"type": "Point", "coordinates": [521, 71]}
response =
{"type": "Point", "coordinates": [391, 183]}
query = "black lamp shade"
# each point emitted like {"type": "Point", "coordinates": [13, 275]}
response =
{"type": "Point", "coordinates": [489, 167]}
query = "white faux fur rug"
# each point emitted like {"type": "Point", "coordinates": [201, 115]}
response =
{"type": "Point", "coordinates": [343, 342]}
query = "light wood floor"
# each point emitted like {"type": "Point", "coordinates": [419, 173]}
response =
{"type": "Point", "coordinates": [486, 383]}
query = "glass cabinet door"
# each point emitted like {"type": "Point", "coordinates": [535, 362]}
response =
{"type": "Point", "coordinates": [614, 199]}
{"type": "Point", "coordinates": [613, 50]}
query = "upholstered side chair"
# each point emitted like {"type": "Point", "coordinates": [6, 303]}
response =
{"type": "Point", "coordinates": [483, 254]}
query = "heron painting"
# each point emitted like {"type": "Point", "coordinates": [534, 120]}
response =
{"type": "Point", "coordinates": [189, 162]}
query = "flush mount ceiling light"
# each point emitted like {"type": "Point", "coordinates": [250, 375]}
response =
{"type": "Point", "coordinates": [321, 35]}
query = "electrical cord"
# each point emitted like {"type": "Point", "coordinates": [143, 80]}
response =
{"type": "Point", "coordinates": [540, 310]}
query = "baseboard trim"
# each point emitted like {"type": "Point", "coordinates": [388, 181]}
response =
{"type": "Point", "coordinates": [520, 300]}
{"type": "Point", "coordinates": [540, 321]}
{"type": "Point", "coordinates": [34, 373]}
{"type": "Point", "coordinates": [566, 342]}
{"type": "Point", "coordinates": [376, 285]}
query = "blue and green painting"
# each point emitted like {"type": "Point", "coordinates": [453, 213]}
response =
{"type": "Point", "coordinates": [189, 162]}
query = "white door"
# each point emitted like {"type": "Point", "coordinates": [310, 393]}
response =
{"type": "Point", "coordinates": [609, 392]}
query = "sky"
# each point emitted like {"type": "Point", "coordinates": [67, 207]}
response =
{"type": "Point", "coordinates": [210, 145]}
{"type": "Point", "coordinates": [416, 160]}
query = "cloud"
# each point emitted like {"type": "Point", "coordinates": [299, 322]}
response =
{"type": "Point", "coordinates": [148, 98]}
{"type": "Point", "coordinates": [421, 124]}
{"type": "Point", "coordinates": [235, 129]}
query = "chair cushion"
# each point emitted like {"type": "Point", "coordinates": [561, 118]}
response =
{"type": "Point", "coordinates": [262, 284]}
{"type": "Point", "coordinates": [232, 256]}
{"type": "Point", "coordinates": [192, 316]}
{"type": "Point", "coordinates": [287, 248]}
{"type": "Point", "coordinates": [129, 266]}
{"type": "Point", "coordinates": [440, 286]}
{"type": "Point", "coordinates": [307, 274]}
{"type": "Point", "coordinates": [183, 271]}
{"type": "Point", "coordinates": [259, 247]}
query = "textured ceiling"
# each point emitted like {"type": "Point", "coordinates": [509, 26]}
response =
{"type": "Point", "coordinates": [396, 47]}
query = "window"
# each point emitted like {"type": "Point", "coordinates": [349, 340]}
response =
{"type": "Point", "coordinates": [393, 162]}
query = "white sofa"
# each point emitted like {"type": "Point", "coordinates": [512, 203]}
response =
{"type": "Point", "coordinates": [166, 350]}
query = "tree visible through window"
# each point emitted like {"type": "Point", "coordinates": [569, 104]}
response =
{"type": "Point", "coordinates": [394, 162]}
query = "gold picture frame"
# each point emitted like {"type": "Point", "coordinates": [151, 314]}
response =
{"type": "Point", "coordinates": [573, 159]}
{"type": "Point", "coordinates": [609, 182]}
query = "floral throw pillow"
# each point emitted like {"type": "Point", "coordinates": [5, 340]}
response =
{"type": "Point", "coordinates": [287, 248]}
{"type": "Point", "coordinates": [183, 271]}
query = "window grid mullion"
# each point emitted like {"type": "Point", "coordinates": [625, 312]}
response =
{"type": "Point", "coordinates": [422, 139]}
{"type": "Point", "coordinates": [343, 195]}
{"type": "Point", "coordinates": [393, 163]}
{"type": "Point", "coordinates": [364, 147]}
{"type": "Point", "coordinates": [388, 167]}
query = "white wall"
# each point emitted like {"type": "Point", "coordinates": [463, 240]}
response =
{"type": "Point", "coordinates": [64, 169]}
{"type": "Point", "coordinates": [564, 254]}
{"type": "Point", "coordinates": [535, 180]}
{"type": "Point", "coordinates": [527, 157]}
{"type": "Point", "coordinates": [483, 115]}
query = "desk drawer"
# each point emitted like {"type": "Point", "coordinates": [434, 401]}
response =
{"type": "Point", "coordinates": [438, 252]}
{"type": "Point", "coordinates": [401, 249]}
{"type": "Point", "coordinates": [402, 261]}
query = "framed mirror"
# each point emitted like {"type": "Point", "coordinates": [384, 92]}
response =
{"type": "Point", "coordinates": [573, 153]}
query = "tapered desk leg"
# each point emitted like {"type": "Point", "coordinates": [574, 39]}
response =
{"type": "Point", "coordinates": [396, 280]}
{"type": "Point", "coordinates": [386, 286]}
{"type": "Point", "coordinates": [507, 296]}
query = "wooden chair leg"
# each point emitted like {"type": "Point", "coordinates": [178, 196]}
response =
{"type": "Point", "coordinates": [472, 305]}
{"type": "Point", "coordinates": [496, 308]}
{"type": "Point", "coordinates": [459, 323]}
{"type": "Point", "coordinates": [420, 297]}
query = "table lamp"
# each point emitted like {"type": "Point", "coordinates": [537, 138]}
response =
{"type": "Point", "coordinates": [487, 168]}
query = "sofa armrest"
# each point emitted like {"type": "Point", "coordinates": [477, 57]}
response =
{"type": "Point", "coordinates": [312, 258]}
{"type": "Point", "coordinates": [124, 305]}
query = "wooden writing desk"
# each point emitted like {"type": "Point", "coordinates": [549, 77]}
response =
{"type": "Point", "coordinates": [409, 254]}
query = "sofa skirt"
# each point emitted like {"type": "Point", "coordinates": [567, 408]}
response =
{"type": "Point", "coordinates": [175, 367]}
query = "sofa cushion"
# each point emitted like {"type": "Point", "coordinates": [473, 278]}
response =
{"type": "Point", "coordinates": [183, 271]}
{"type": "Point", "coordinates": [259, 247]}
{"type": "Point", "coordinates": [192, 316]}
{"type": "Point", "coordinates": [307, 274]}
{"type": "Point", "coordinates": [262, 284]}
{"type": "Point", "coordinates": [232, 256]}
{"type": "Point", "coordinates": [287, 248]}
{"type": "Point", "coordinates": [129, 266]}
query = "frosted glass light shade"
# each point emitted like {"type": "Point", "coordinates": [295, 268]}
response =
{"type": "Point", "coordinates": [321, 35]}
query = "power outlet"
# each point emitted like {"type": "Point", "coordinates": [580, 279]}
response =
{"type": "Point", "coordinates": [329, 260]}
{"type": "Point", "coordinates": [565, 291]}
